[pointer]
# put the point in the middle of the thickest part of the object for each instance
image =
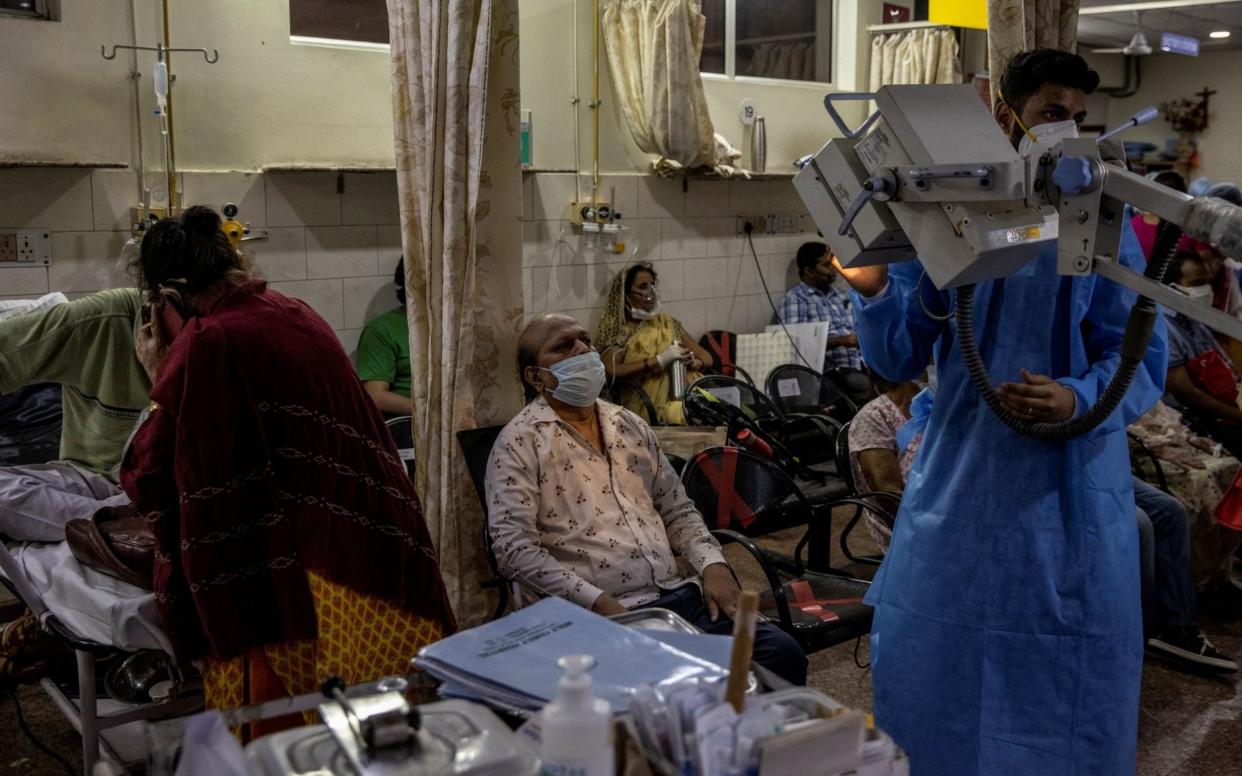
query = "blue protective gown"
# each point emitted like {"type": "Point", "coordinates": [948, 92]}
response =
{"type": "Point", "coordinates": [1007, 636]}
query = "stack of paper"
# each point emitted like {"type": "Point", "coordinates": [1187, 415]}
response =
{"type": "Point", "coordinates": [512, 663]}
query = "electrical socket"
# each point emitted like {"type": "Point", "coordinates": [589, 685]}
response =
{"type": "Point", "coordinates": [8, 247]}
{"type": "Point", "coordinates": [762, 223]}
{"type": "Point", "coordinates": [788, 223]}
{"type": "Point", "coordinates": [26, 246]}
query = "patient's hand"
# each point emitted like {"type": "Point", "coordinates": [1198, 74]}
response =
{"type": "Point", "coordinates": [720, 591]}
{"type": "Point", "coordinates": [605, 605]}
{"type": "Point", "coordinates": [150, 350]}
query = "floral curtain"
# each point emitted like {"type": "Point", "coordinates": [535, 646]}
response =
{"type": "Point", "coordinates": [915, 57]}
{"type": "Point", "coordinates": [1022, 25]}
{"type": "Point", "coordinates": [455, 121]}
{"type": "Point", "coordinates": [653, 54]}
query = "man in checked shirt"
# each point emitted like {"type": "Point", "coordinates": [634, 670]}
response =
{"type": "Point", "coordinates": [582, 504]}
{"type": "Point", "coordinates": [815, 299]}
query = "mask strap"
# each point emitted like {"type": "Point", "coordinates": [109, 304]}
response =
{"type": "Point", "coordinates": [1016, 118]}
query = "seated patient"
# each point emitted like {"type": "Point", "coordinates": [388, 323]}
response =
{"type": "Point", "coordinates": [879, 461]}
{"type": "Point", "coordinates": [290, 545]}
{"type": "Point", "coordinates": [582, 503]}
{"type": "Point", "coordinates": [88, 347]}
{"type": "Point", "coordinates": [384, 355]}
{"type": "Point", "coordinates": [1202, 382]}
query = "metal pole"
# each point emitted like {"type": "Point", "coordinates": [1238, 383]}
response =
{"type": "Point", "coordinates": [172, 146]}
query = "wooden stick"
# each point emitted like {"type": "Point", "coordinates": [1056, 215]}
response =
{"type": "Point", "coordinates": [744, 620]}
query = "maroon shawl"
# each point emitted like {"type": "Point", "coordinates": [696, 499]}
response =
{"type": "Point", "coordinates": [264, 459]}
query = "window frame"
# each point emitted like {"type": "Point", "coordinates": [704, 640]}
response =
{"type": "Point", "coordinates": [730, 47]}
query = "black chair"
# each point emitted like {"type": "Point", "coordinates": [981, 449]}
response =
{"type": "Point", "coordinates": [722, 344]}
{"type": "Point", "coordinates": [742, 496]}
{"type": "Point", "coordinates": [476, 446]}
{"type": "Point", "coordinates": [621, 390]}
{"type": "Point", "coordinates": [1148, 455]}
{"type": "Point", "coordinates": [881, 502]}
{"type": "Point", "coordinates": [751, 401]}
{"type": "Point", "coordinates": [402, 430]}
{"type": "Point", "coordinates": [839, 376]}
{"type": "Point", "coordinates": [794, 388]}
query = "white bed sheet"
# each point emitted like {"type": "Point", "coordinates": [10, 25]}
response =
{"type": "Point", "coordinates": [92, 605]}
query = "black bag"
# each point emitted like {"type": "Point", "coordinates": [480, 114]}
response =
{"type": "Point", "coordinates": [30, 425]}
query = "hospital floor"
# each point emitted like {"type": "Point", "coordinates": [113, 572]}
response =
{"type": "Point", "coordinates": [1189, 725]}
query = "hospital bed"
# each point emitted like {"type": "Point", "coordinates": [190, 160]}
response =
{"type": "Point", "coordinates": [94, 616]}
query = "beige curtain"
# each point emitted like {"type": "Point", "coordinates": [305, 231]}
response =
{"type": "Point", "coordinates": [455, 119]}
{"type": "Point", "coordinates": [1021, 25]}
{"type": "Point", "coordinates": [653, 53]}
{"type": "Point", "coordinates": [915, 57]}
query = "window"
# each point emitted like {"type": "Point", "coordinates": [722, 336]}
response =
{"type": "Point", "coordinates": [31, 9]}
{"type": "Point", "coordinates": [790, 40]}
{"type": "Point", "coordinates": [363, 21]}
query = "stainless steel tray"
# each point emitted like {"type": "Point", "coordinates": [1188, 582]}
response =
{"type": "Point", "coordinates": [655, 619]}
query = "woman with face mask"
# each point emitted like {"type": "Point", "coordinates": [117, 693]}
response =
{"type": "Point", "coordinates": [640, 343]}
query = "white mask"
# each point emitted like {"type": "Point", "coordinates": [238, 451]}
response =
{"type": "Point", "coordinates": [1197, 293]}
{"type": "Point", "coordinates": [639, 314]}
{"type": "Point", "coordinates": [1046, 136]}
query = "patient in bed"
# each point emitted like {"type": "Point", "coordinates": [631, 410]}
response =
{"type": "Point", "coordinates": [88, 347]}
{"type": "Point", "coordinates": [290, 544]}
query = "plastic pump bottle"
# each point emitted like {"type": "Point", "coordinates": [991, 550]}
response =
{"type": "Point", "coordinates": [577, 726]}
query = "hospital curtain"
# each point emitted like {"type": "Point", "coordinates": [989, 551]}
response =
{"type": "Point", "coordinates": [653, 54]}
{"type": "Point", "coordinates": [455, 121]}
{"type": "Point", "coordinates": [916, 57]}
{"type": "Point", "coordinates": [1022, 25]}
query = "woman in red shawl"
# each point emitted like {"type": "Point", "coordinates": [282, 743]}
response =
{"type": "Point", "coordinates": [290, 544]}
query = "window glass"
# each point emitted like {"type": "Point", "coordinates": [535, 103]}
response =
{"type": "Point", "coordinates": [353, 20]}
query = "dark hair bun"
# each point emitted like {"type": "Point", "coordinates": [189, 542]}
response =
{"type": "Point", "coordinates": [201, 221]}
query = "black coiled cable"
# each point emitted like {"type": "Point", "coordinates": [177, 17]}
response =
{"type": "Point", "coordinates": [1134, 344]}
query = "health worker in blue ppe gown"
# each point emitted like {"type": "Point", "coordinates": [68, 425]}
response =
{"type": "Point", "coordinates": [1007, 635]}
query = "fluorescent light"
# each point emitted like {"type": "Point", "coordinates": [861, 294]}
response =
{"type": "Point", "coordinates": [1219, 34]}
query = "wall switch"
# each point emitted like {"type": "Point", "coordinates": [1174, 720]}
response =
{"type": "Point", "coordinates": [762, 223]}
{"type": "Point", "coordinates": [788, 223]}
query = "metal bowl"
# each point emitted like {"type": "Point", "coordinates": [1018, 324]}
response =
{"type": "Point", "coordinates": [131, 680]}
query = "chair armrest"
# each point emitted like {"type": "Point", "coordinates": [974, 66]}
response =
{"type": "Point", "coordinates": [725, 535]}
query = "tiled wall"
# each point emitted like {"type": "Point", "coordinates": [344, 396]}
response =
{"type": "Point", "coordinates": [707, 275]}
{"type": "Point", "coordinates": [333, 243]}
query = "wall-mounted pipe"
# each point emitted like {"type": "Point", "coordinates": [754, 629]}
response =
{"type": "Point", "coordinates": [595, 107]}
{"type": "Point", "coordinates": [168, 117]}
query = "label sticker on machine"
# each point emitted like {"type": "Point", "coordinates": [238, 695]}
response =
{"type": "Point", "coordinates": [788, 388]}
{"type": "Point", "coordinates": [874, 148]}
{"type": "Point", "coordinates": [728, 394]}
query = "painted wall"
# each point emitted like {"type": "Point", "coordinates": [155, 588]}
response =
{"type": "Point", "coordinates": [265, 102]}
{"type": "Point", "coordinates": [795, 118]}
{"type": "Point", "coordinates": [1168, 77]}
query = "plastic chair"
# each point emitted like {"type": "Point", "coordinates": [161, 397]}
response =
{"type": "Point", "coordinates": [620, 390]}
{"type": "Point", "coordinates": [742, 496]}
{"type": "Point", "coordinates": [402, 430]}
{"type": "Point", "coordinates": [794, 388]}
{"type": "Point", "coordinates": [476, 446]}
{"type": "Point", "coordinates": [881, 502]}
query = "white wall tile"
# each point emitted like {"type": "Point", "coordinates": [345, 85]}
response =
{"type": "Point", "coordinates": [366, 298]}
{"type": "Point", "coordinates": [527, 290]}
{"type": "Point", "coordinates": [722, 238]}
{"type": "Point", "coordinates": [684, 238]}
{"type": "Point", "coordinates": [88, 261]}
{"type": "Point", "coordinates": [113, 193]}
{"type": "Point", "coordinates": [341, 251]}
{"type": "Point", "coordinates": [660, 198]}
{"type": "Point", "coordinates": [785, 197]}
{"type": "Point", "coordinates": [349, 341]}
{"type": "Point", "coordinates": [282, 256]}
{"type": "Point", "coordinates": [672, 278]}
{"type": "Point", "coordinates": [528, 196]}
{"type": "Point", "coordinates": [388, 244]}
{"type": "Point", "coordinates": [749, 196]}
{"type": "Point", "coordinates": [325, 297]}
{"type": "Point", "coordinates": [302, 199]}
{"type": "Point", "coordinates": [370, 198]}
{"type": "Point", "coordinates": [215, 189]}
{"type": "Point", "coordinates": [540, 280]}
{"type": "Point", "coordinates": [622, 192]}
{"type": "Point", "coordinates": [709, 278]}
{"type": "Point", "coordinates": [545, 243]}
{"type": "Point", "coordinates": [642, 237]}
{"type": "Point", "coordinates": [707, 198]}
{"type": "Point", "coordinates": [43, 198]}
{"type": "Point", "coordinates": [552, 192]}
{"type": "Point", "coordinates": [24, 281]}
{"type": "Point", "coordinates": [577, 287]}
{"type": "Point", "coordinates": [692, 315]}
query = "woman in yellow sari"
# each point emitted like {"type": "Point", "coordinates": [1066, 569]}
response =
{"type": "Point", "coordinates": [639, 344]}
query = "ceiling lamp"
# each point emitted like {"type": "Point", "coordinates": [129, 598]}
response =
{"type": "Point", "coordinates": [1219, 34]}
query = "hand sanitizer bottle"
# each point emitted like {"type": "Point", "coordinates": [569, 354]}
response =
{"type": "Point", "coordinates": [577, 726]}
